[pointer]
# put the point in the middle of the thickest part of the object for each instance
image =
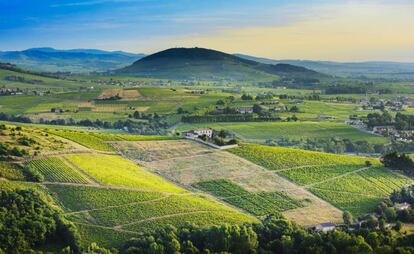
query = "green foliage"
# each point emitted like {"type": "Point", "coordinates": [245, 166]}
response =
{"type": "Point", "coordinates": [28, 221]}
{"type": "Point", "coordinates": [11, 171]}
{"type": "Point", "coordinates": [401, 162]}
{"type": "Point", "coordinates": [84, 139]}
{"type": "Point", "coordinates": [54, 169]}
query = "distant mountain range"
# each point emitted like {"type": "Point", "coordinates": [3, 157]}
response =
{"type": "Point", "coordinates": [187, 63]}
{"type": "Point", "coordinates": [207, 64]}
{"type": "Point", "coordinates": [73, 60]}
{"type": "Point", "coordinates": [344, 69]}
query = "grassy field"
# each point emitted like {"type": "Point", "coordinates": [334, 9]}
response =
{"type": "Point", "coordinates": [344, 181]}
{"type": "Point", "coordinates": [259, 132]}
{"type": "Point", "coordinates": [189, 163]}
{"type": "Point", "coordinates": [55, 169]}
{"type": "Point", "coordinates": [85, 139]}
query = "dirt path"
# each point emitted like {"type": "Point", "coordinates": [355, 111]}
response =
{"type": "Point", "coordinates": [83, 172]}
{"type": "Point", "coordinates": [109, 228]}
{"type": "Point", "coordinates": [114, 187]}
{"type": "Point", "coordinates": [117, 206]}
{"type": "Point", "coordinates": [335, 177]}
{"type": "Point", "coordinates": [159, 217]}
{"type": "Point", "coordinates": [349, 192]}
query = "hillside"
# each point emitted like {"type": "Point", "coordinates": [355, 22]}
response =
{"type": "Point", "coordinates": [342, 68]}
{"type": "Point", "coordinates": [207, 64]}
{"type": "Point", "coordinates": [74, 60]}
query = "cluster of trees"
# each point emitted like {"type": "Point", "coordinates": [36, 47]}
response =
{"type": "Point", "coordinates": [342, 89]}
{"type": "Point", "coordinates": [312, 97]}
{"type": "Point", "coordinates": [405, 195]}
{"type": "Point", "coordinates": [13, 118]}
{"type": "Point", "coordinates": [27, 221]}
{"type": "Point", "coordinates": [273, 235]}
{"type": "Point", "coordinates": [329, 145]}
{"type": "Point", "coordinates": [400, 162]}
{"type": "Point", "coordinates": [227, 118]}
{"type": "Point", "coordinates": [6, 150]}
{"type": "Point", "coordinates": [401, 121]}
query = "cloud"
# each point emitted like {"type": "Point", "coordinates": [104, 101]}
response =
{"type": "Point", "coordinates": [94, 2]}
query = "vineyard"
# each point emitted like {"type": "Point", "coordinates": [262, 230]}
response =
{"type": "Point", "coordinates": [78, 198]}
{"type": "Point", "coordinates": [362, 191]}
{"type": "Point", "coordinates": [114, 214]}
{"type": "Point", "coordinates": [314, 174]}
{"type": "Point", "coordinates": [279, 158]}
{"type": "Point", "coordinates": [55, 169]}
{"type": "Point", "coordinates": [259, 204]}
{"type": "Point", "coordinates": [196, 166]}
{"type": "Point", "coordinates": [114, 170]}
{"type": "Point", "coordinates": [348, 182]}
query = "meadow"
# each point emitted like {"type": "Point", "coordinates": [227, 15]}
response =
{"type": "Point", "coordinates": [259, 132]}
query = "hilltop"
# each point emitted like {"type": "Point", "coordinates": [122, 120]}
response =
{"type": "Point", "coordinates": [72, 60]}
{"type": "Point", "coordinates": [207, 64]}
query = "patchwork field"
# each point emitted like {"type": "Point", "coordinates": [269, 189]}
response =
{"type": "Point", "coordinates": [351, 183]}
{"type": "Point", "coordinates": [126, 200]}
{"type": "Point", "coordinates": [253, 188]}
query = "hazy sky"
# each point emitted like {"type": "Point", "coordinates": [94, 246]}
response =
{"type": "Point", "coordinates": [280, 29]}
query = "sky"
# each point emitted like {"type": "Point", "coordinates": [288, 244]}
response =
{"type": "Point", "coordinates": [355, 30]}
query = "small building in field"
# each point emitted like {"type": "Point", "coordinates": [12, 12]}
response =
{"type": "Point", "coordinates": [384, 129]}
{"type": "Point", "coordinates": [199, 132]}
{"type": "Point", "coordinates": [270, 102]}
{"type": "Point", "coordinates": [402, 206]}
{"type": "Point", "coordinates": [325, 227]}
{"type": "Point", "coordinates": [244, 110]}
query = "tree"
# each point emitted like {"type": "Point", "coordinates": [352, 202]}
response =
{"type": "Point", "coordinates": [347, 217]}
{"type": "Point", "coordinates": [294, 109]}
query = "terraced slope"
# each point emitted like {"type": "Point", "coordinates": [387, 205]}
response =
{"type": "Point", "coordinates": [351, 183]}
{"type": "Point", "coordinates": [55, 169]}
{"type": "Point", "coordinates": [256, 190]}
{"type": "Point", "coordinates": [127, 200]}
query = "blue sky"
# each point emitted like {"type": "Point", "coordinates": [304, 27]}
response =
{"type": "Point", "coordinates": [312, 29]}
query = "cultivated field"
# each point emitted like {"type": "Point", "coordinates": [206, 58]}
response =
{"type": "Point", "coordinates": [125, 200]}
{"type": "Point", "coordinates": [259, 132]}
{"type": "Point", "coordinates": [56, 169]}
{"type": "Point", "coordinates": [258, 190]}
{"type": "Point", "coordinates": [348, 182]}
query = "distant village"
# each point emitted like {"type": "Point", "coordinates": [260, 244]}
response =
{"type": "Point", "coordinates": [399, 105]}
